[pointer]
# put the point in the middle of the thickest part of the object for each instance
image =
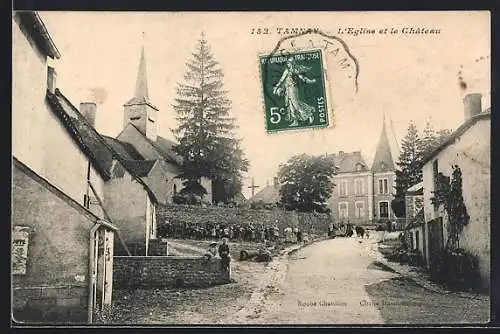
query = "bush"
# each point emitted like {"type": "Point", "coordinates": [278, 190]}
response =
{"type": "Point", "coordinates": [457, 269]}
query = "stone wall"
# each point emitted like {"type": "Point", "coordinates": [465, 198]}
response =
{"type": "Point", "coordinates": [307, 222]}
{"type": "Point", "coordinates": [131, 272]}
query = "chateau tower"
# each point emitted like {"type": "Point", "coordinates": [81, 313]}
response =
{"type": "Point", "coordinates": [384, 177]}
{"type": "Point", "coordinates": [383, 161]}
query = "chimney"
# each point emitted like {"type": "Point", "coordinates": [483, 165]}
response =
{"type": "Point", "coordinates": [275, 182]}
{"type": "Point", "coordinates": [51, 79]}
{"type": "Point", "coordinates": [472, 105]}
{"type": "Point", "coordinates": [341, 153]}
{"type": "Point", "coordinates": [89, 110]}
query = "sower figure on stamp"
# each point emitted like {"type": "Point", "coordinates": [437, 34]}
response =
{"type": "Point", "coordinates": [224, 254]}
{"type": "Point", "coordinates": [296, 110]}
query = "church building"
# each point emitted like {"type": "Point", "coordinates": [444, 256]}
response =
{"type": "Point", "coordinates": [139, 140]}
{"type": "Point", "coordinates": [363, 194]}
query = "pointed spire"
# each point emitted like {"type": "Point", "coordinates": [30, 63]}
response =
{"type": "Point", "coordinates": [383, 156]}
{"type": "Point", "coordinates": [141, 86]}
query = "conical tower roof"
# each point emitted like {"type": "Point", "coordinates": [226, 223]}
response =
{"type": "Point", "coordinates": [141, 94]}
{"type": "Point", "coordinates": [383, 156]}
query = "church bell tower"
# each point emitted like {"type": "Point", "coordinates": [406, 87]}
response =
{"type": "Point", "coordinates": [139, 110]}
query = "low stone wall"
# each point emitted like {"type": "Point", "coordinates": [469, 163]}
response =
{"type": "Point", "coordinates": [308, 222]}
{"type": "Point", "coordinates": [132, 272]}
{"type": "Point", "coordinates": [61, 304]}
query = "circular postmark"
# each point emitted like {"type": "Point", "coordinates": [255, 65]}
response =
{"type": "Point", "coordinates": [295, 79]}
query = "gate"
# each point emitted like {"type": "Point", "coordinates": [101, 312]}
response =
{"type": "Point", "coordinates": [436, 239]}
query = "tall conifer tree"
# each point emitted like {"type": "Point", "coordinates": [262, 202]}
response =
{"type": "Point", "coordinates": [205, 129]}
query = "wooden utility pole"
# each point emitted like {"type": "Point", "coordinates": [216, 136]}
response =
{"type": "Point", "coordinates": [253, 187]}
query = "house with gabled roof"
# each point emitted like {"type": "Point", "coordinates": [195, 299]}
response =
{"type": "Point", "coordinates": [62, 243]}
{"type": "Point", "coordinates": [269, 195]}
{"type": "Point", "coordinates": [469, 149]}
{"type": "Point", "coordinates": [132, 188]}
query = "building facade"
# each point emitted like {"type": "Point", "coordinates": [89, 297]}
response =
{"type": "Point", "coordinates": [468, 147]}
{"type": "Point", "coordinates": [363, 194]}
{"type": "Point", "coordinates": [60, 268]}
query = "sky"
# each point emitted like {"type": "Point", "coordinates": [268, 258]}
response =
{"type": "Point", "coordinates": [401, 76]}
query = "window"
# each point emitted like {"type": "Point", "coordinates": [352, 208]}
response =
{"type": "Point", "coordinates": [135, 118]}
{"type": "Point", "coordinates": [175, 189]}
{"type": "Point", "coordinates": [343, 188]}
{"type": "Point", "coordinates": [343, 210]}
{"type": "Point", "coordinates": [360, 209]}
{"type": "Point", "coordinates": [151, 120]}
{"type": "Point", "coordinates": [152, 220]}
{"type": "Point", "coordinates": [384, 209]}
{"type": "Point", "coordinates": [383, 187]}
{"type": "Point", "coordinates": [360, 187]}
{"type": "Point", "coordinates": [417, 237]}
{"type": "Point", "coordinates": [86, 201]}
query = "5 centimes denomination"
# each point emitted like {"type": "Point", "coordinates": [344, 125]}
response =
{"type": "Point", "coordinates": [294, 90]}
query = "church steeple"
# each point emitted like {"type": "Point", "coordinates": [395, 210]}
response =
{"type": "Point", "coordinates": [383, 156]}
{"type": "Point", "coordinates": [138, 110]}
{"type": "Point", "coordinates": [141, 85]}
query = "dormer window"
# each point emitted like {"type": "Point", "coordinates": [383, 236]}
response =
{"type": "Point", "coordinates": [359, 167]}
{"type": "Point", "coordinates": [382, 165]}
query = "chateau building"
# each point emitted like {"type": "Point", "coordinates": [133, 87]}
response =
{"type": "Point", "coordinates": [363, 194]}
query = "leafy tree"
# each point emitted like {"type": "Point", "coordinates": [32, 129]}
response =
{"type": "Point", "coordinates": [205, 128]}
{"type": "Point", "coordinates": [306, 182]}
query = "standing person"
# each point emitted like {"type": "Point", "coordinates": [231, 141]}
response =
{"type": "Point", "coordinates": [296, 233]}
{"type": "Point", "coordinates": [214, 232]}
{"type": "Point", "coordinates": [299, 236]}
{"type": "Point", "coordinates": [224, 254]}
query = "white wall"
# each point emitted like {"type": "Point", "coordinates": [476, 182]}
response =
{"type": "Point", "coordinates": [39, 139]}
{"type": "Point", "coordinates": [471, 153]}
{"type": "Point", "coordinates": [29, 110]}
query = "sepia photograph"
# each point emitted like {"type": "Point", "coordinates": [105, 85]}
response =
{"type": "Point", "coordinates": [250, 168]}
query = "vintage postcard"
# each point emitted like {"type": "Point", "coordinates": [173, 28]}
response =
{"type": "Point", "coordinates": [237, 168]}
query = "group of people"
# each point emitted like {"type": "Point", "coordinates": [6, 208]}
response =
{"type": "Point", "coordinates": [222, 250]}
{"type": "Point", "coordinates": [347, 230]}
{"type": "Point", "coordinates": [214, 231]}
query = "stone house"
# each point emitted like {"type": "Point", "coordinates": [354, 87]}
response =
{"type": "Point", "coordinates": [469, 148]}
{"type": "Point", "coordinates": [62, 247]}
{"type": "Point", "coordinates": [363, 194]}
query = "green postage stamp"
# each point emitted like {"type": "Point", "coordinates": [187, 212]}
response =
{"type": "Point", "coordinates": [294, 89]}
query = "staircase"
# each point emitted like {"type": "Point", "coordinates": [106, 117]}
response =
{"type": "Point", "coordinates": [157, 247]}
